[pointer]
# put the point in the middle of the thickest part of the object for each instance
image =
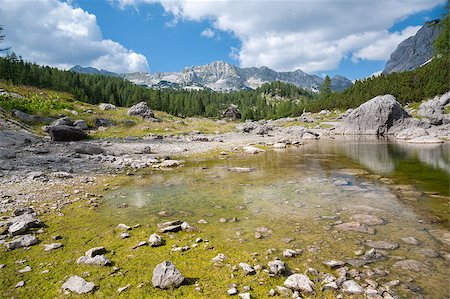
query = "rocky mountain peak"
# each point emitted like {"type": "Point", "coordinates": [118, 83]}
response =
{"type": "Point", "coordinates": [415, 50]}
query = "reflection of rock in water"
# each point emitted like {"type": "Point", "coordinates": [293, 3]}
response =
{"type": "Point", "coordinates": [367, 151]}
{"type": "Point", "coordinates": [381, 157]}
{"type": "Point", "coordinates": [435, 155]}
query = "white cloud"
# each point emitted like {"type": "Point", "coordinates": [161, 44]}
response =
{"type": "Point", "coordinates": [55, 33]}
{"type": "Point", "coordinates": [384, 45]}
{"type": "Point", "coordinates": [313, 35]}
{"type": "Point", "coordinates": [208, 33]}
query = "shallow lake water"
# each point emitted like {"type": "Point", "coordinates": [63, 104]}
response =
{"type": "Point", "coordinates": [295, 198]}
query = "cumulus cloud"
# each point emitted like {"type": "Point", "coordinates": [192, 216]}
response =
{"type": "Point", "coordinates": [384, 45]}
{"type": "Point", "coordinates": [208, 33]}
{"type": "Point", "coordinates": [55, 33]}
{"type": "Point", "coordinates": [307, 34]}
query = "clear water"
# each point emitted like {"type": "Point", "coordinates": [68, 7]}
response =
{"type": "Point", "coordinates": [406, 185]}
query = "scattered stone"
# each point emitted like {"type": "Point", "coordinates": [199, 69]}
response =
{"type": "Point", "coordinates": [334, 264]}
{"type": "Point", "coordinates": [95, 251]}
{"type": "Point", "coordinates": [155, 240]}
{"type": "Point", "coordinates": [232, 291]}
{"type": "Point", "coordinates": [125, 235]}
{"type": "Point", "coordinates": [249, 149]}
{"type": "Point", "coordinates": [202, 221]}
{"type": "Point", "coordinates": [245, 295]}
{"type": "Point", "coordinates": [170, 226]}
{"type": "Point", "coordinates": [122, 226]}
{"type": "Point", "coordinates": [170, 163]}
{"type": "Point", "coordinates": [22, 241]}
{"type": "Point", "coordinates": [186, 227]}
{"type": "Point", "coordinates": [166, 275]}
{"type": "Point", "coordinates": [98, 260]}
{"type": "Point", "coordinates": [107, 106]}
{"type": "Point", "coordinates": [370, 256]}
{"type": "Point", "coordinates": [140, 244]}
{"type": "Point", "coordinates": [386, 245]}
{"type": "Point", "coordinates": [330, 286]}
{"type": "Point", "coordinates": [352, 287]}
{"type": "Point", "coordinates": [49, 247]}
{"type": "Point", "coordinates": [123, 289]}
{"type": "Point", "coordinates": [277, 267]}
{"type": "Point", "coordinates": [25, 270]}
{"type": "Point", "coordinates": [299, 282]}
{"type": "Point", "coordinates": [247, 268]}
{"type": "Point", "coordinates": [272, 292]}
{"type": "Point", "coordinates": [78, 285]}
{"type": "Point", "coordinates": [289, 253]}
{"type": "Point", "coordinates": [441, 235]}
{"type": "Point", "coordinates": [220, 258]}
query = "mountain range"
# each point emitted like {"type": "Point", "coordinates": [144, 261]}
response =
{"type": "Point", "coordinates": [224, 77]}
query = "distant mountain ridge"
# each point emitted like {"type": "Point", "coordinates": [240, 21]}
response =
{"type": "Point", "coordinates": [93, 71]}
{"type": "Point", "coordinates": [414, 51]}
{"type": "Point", "coordinates": [225, 77]}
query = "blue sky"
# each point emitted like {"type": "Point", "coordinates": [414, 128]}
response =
{"type": "Point", "coordinates": [345, 37]}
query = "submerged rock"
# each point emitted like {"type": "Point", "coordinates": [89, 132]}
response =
{"type": "Point", "coordinates": [166, 275]}
{"type": "Point", "coordinates": [412, 265]}
{"type": "Point", "coordinates": [89, 149]}
{"type": "Point", "coordinates": [241, 169]}
{"type": "Point", "coordinates": [386, 245]}
{"type": "Point", "coordinates": [410, 240]}
{"type": "Point", "coordinates": [78, 285]}
{"type": "Point", "coordinates": [441, 235]}
{"type": "Point", "coordinates": [367, 219]}
{"type": "Point", "coordinates": [370, 256]}
{"type": "Point", "coordinates": [355, 227]}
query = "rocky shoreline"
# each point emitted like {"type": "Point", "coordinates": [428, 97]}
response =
{"type": "Point", "coordinates": [42, 177]}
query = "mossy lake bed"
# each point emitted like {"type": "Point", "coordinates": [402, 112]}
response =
{"type": "Point", "coordinates": [296, 198]}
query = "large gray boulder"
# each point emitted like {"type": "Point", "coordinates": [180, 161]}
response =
{"type": "Point", "coordinates": [141, 109]}
{"type": "Point", "coordinates": [375, 117]}
{"type": "Point", "coordinates": [166, 275]}
{"type": "Point", "coordinates": [66, 133]}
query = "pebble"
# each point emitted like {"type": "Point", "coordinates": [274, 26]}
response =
{"type": "Point", "coordinates": [122, 289]}
{"type": "Point", "coordinates": [48, 247]}
{"type": "Point", "coordinates": [20, 284]}
{"type": "Point", "coordinates": [232, 291]}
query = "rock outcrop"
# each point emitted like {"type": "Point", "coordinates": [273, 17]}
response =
{"type": "Point", "coordinates": [375, 117]}
{"type": "Point", "coordinates": [415, 50]}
